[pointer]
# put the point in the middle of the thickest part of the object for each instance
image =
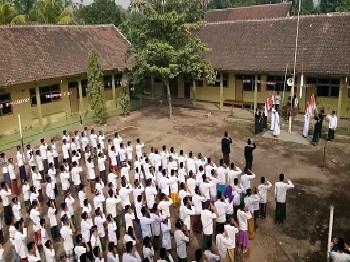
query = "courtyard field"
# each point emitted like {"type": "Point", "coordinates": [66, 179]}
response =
{"type": "Point", "coordinates": [304, 235]}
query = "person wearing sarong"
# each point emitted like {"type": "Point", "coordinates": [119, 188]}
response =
{"type": "Point", "coordinates": [5, 171]}
{"type": "Point", "coordinates": [316, 135]}
{"type": "Point", "coordinates": [20, 163]}
{"type": "Point", "coordinates": [222, 172]}
{"type": "Point", "coordinates": [280, 195]}
{"type": "Point", "coordinates": [35, 217]}
{"type": "Point", "coordinates": [197, 200]}
{"type": "Point", "coordinates": [5, 194]}
{"type": "Point", "coordinates": [243, 214]}
{"type": "Point", "coordinates": [232, 230]}
{"type": "Point", "coordinates": [257, 119]}
{"type": "Point", "coordinates": [250, 202]}
{"type": "Point", "coordinates": [262, 188]}
{"type": "Point", "coordinates": [264, 118]}
{"type": "Point", "coordinates": [14, 187]}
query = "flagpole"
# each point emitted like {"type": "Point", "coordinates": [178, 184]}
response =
{"type": "Point", "coordinates": [294, 71]}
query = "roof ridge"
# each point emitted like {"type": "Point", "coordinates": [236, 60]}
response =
{"type": "Point", "coordinates": [54, 26]}
{"type": "Point", "coordinates": [251, 6]}
{"type": "Point", "coordinates": [281, 18]}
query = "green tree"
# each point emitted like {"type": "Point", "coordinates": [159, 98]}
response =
{"type": "Point", "coordinates": [23, 7]}
{"type": "Point", "coordinates": [124, 98]}
{"type": "Point", "coordinates": [52, 12]}
{"type": "Point", "coordinates": [7, 12]}
{"type": "Point", "coordinates": [240, 3]}
{"type": "Point", "coordinates": [95, 88]}
{"type": "Point", "coordinates": [101, 12]}
{"type": "Point", "coordinates": [344, 6]}
{"type": "Point", "coordinates": [165, 44]}
{"type": "Point", "coordinates": [328, 6]}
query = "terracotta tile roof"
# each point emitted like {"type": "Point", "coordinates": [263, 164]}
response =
{"type": "Point", "coordinates": [248, 13]}
{"type": "Point", "coordinates": [268, 45]}
{"type": "Point", "coordinates": [30, 53]}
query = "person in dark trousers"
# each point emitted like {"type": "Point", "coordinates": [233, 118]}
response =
{"type": "Point", "coordinates": [248, 154]}
{"type": "Point", "coordinates": [264, 121]}
{"type": "Point", "coordinates": [320, 117]}
{"type": "Point", "coordinates": [257, 118]}
{"type": "Point", "coordinates": [317, 127]}
{"type": "Point", "coordinates": [226, 142]}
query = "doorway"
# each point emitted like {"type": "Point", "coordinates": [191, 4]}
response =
{"type": "Point", "coordinates": [239, 90]}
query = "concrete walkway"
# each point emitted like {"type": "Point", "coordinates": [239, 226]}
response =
{"type": "Point", "coordinates": [294, 137]}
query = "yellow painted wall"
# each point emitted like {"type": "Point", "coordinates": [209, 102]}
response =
{"type": "Point", "coordinates": [51, 112]}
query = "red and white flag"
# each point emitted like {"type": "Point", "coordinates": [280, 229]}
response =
{"type": "Point", "coordinates": [301, 84]}
{"type": "Point", "coordinates": [312, 104]}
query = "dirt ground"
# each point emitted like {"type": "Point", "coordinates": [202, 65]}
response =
{"type": "Point", "coordinates": [304, 235]}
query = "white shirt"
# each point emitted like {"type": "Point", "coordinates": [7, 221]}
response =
{"type": "Point", "coordinates": [164, 184]}
{"type": "Point", "coordinates": [339, 257]}
{"type": "Point", "coordinates": [12, 173]}
{"type": "Point", "coordinates": [93, 140]}
{"type": "Point", "coordinates": [221, 208]}
{"type": "Point", "coordinates": [148, 253]}
{"type": "Point", "coordinates": [231, 231]}
{"type": "Point", "coordinates": [129, 218]}
{"type": "Point", "coordinates": [262, 189]}
{"type": "Point", "coordinates": [185, 215]}
{"type": "Point", "coordinates": [101, 162]}
{"type": "Point", "coordinates": [91, 170]}
{"type": "Point", "coordinates": [113, 179]}
{"type": "Point", "coordinates": [99, 222]}
{"type": "Point", "coordinates": [333, 121]}
{"type": "Point", "coordinates": [17, 211]}
{"type": "Point", "coordinates": [85, 228]}
{"type": "Point", "coordinates": [116, 143]}
{"type": "Point", "coordinates": [36, 180]}
{"type": "Point", "coordinates": [207, 218]}
{"type": "Point", "coordinates": [50, 190]}
{"type": "Point", "coordinates": [20, 243]}
{"type": "Point", "coordinates": [245, 180]}
{"type": "Point", "coordinates": [43, 150]}
{"type": "Point", "coordinates": [76, 175]}
{"type": "Point", "coordinates": [52, 216]}
{"type": "Point", "coordinates": [232, 174]}
{"type": "Point", "coordinates": [35, 217]}
{"type": "Point", "coordinates": [111, 206]}
{"type": "Point", "coordinates": [150, 192]}
{"type": "Point", "coordinates": [52, 173]}
{"type": "Point", "coordinates": [191, 184]}
{"type": "Point", "coordinates": [26, 192]}
{"type": "Point", "coordinates": [242, 217]}
{"type": "Point", "coordinates": [124, 196]}
{"type": "Point", "coordinates": [113, 156]}
{"type": "Point", "coordinates": [112, 258]}
{"type": "Point", "coordinates": [146, 226]}
{"type": "Point", "coordinates": [131, 257]}
{"type": "Point", "coordinates": [129, 150]}
{"type": "Point", "coordinates": [66, 234]}
{"type": "Point", "coordinates": [181, 240]}
{"type": "Point", "coordinates": [164, 207]}
{"type": "Point", "coordinates": [5, 196]}
{"type": "Point", "coordinates": [197, 202]}
{"type": "Point", "coordinates": [49, 254]}
{"type": "Point", "coordinates": [111, 231]}
{"type": "Point", "coordinates": [65, 180]}
{"type": "Point", "coordinates": [205, 186]}
{"type": "Point", "coordinates": [98, 201]}
{"type": "Point", "coordinates": [281, 190]}
{"type": "Point", "coordinates": [65, 150]}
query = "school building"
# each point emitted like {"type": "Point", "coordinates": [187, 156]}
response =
{"type": "Point", "coordinates": [253, 58]}
{"type": "Point", "coordinates": [43, 71]}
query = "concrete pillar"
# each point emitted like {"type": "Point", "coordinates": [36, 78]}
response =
{"type": "Point", "coordinates": [81, 101]}
{"type": "Point", "coordinates": [255, 92]}
{"type": "Point", "coordinates": [340, 97]}
{"type": "Point", "coordinates": [221, 91]}
{"type": "Point", "coordinates": [114, 96]}
{"type": "Point", "coordinates": [38, 106]}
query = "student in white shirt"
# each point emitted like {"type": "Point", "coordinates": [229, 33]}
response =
{"type": "Point", "coordinates": [145, 222]}
{"type": "Point", "coordinates": [250, 202]}
{"type": "Point", "coordinates": [111, 203]}
{"type": "Point", "coordinates": [82, 249]}
{"type": "Point", "coordinates": [181, 239]}
{"type": "Point", "coordinates": [148, 251]}
{"type": "Point", "coordinates": [33, 252]}
{"type": "Point", "coordinates": [26, 195]}
{"type": "Point", "coordinates": [91, 174]}
{"type": "Point", "coordinates": [221, 207]}
{"type": "Point", "coordinates": [138, 148]}
{"type": "Point", "coordinates": [16, 208]}
{"type": "Point", "coordinates": [129, 149]}
{"type": "Point", "coordinates": [5, 194]}
{"type": "Point", "coordinates": [124, 193]}
{"type": "Point", "coordinates": [101, 162]}
{"type": "Point", "coordinates": [49, 251]}
{"type": "Point", "coordinates": [66, 150]}
{"type": "Point", "coordinates": [208, 215]}
{"type": "Point", "coordinates": [243, 214]}
{"type": "Point", "coordinates": [131, 254]}
{"type": "Point", "coordinates": [50, 189]}
{"type": "Point", "coordinates": [280, 195]}
{"type": "Point", "coordinates": [11, 168]}
{"type": "Point", "coordinates": [76, 177]}
{"type": "Point", "coordinates": [67, 232]}
{"type": "Point", "coordinates": [129, 216]}
{"type": "Point", "coordinates": [52, 173]}
{"type": "Point", "coordinates": [150, 192]}
{"type": "Point", "coordinates": [55, 154]}
{"type": "Point", "coordinates": [64, 179]}
{"type": "Point", "coordinates": [209, 252]}
{"type": "Point", "coordinates": [20, 239]}
{"type": "Point", "coordinates": [84, 141]}
{"type": "Point", "coordinates": [113, 156]}
{"type": "Point", "coordinates": [43, 231]}
{"type": "Point", "coordinates": [186, 211]}
{"type": "Point", "coordinates": [232, 230]}
{"type": "Point", "coordinates": [166, 233]}
{"type": "Point", "coordinates": [98, 200]}
{"type": "Point", "coordinates": [233, 173]}
{"type": "Point", "coordinates": [99, 221]}
{"type": "Point", "coordinates": [262, 189]}
{"type": "Point", "coordinates": [111, 229]}
{"type": "Point", "coordinates": [51, 214]}
{"type": "Point", "coordinates": [191, 182]}
{"type": "Point", "coordinates": [93, 141]}
{"type": "Point", "coordinates": [164, 205]}
{"type": "Point", "coordinates": [35, 217]}
{"type": "Point", "coordinates": [245, 180]}
{"type": "Point", "coordinates": [165, 256]}
{"type": "Point", "coordinates": [332, 125]}
{"type": "Point", "coordinates": [112, 255]}
{"type": "Point", "coordinates": [39, 162]}
{"type": "Point", "coordinates": [37, 178]}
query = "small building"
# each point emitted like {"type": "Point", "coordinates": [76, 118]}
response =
{"type": "Point", "coordinates": [43, 71]}
{"type": "Point", "coordinates": [254, 58]}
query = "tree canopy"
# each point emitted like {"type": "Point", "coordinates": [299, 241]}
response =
{"type": "Point", "coordinates": [165, 45]}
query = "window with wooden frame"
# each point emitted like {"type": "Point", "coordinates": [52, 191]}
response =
{"type": "Point", "coordinates": [5, 104]}
{"type": "Point", "coordinates": [249, 82]}
{"type": "Point", "coordinates": [48, 94]}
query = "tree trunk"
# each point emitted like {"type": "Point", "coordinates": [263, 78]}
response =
{"type": "Point", "coordinates": [193, 92]}
{"type": "Point", "coordinates": [166, 83]}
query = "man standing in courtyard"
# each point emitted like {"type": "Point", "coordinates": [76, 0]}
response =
{"type": "Point", "coordinates": [332, 125]}
{"type": "Point", "coordinates": [280, 195]}
{"type": "Point", "coordinates": [248, 154]}
{"type": "Point", "coordinates": [226, 142]}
